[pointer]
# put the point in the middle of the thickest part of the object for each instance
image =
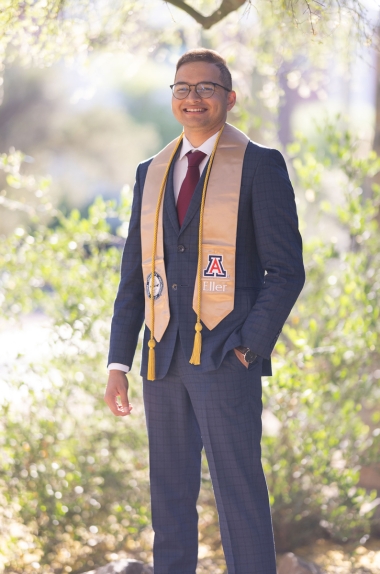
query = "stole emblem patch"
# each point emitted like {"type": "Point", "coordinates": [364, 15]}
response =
{"type": "Point", "coordinates": [215, 267]}
{"type": "Point", "coordinates": [158, 286]}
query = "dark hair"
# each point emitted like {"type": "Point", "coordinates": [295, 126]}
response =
{"type": "Point", "coordinates": [211, 57]}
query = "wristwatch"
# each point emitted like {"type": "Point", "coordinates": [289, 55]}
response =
{"type": "Point", "coordinates": [248, 355]}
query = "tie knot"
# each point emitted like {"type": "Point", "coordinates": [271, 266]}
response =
{"type": "Point", "coordinates": [195, 158]}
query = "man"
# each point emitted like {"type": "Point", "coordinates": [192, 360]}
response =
{"type": "Point", "coordinates": [214, 260]}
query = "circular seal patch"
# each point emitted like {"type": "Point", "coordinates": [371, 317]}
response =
{"type": "Point", "coordinates": [157, 287]}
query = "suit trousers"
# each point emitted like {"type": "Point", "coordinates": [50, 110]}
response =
{"type": "Point", "coordinates": [219, 411]}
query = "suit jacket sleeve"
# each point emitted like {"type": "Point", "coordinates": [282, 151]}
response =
{"type": "Point", "coordinates": [129, 305]}
{"type": "Point", "coordinates": [279, 247]}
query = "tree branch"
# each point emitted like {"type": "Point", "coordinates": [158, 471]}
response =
{"type": "Point", "coordinates": [226, 7]}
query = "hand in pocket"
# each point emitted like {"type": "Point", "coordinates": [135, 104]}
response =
{"type": "Point", "coordinates": [241, 358]}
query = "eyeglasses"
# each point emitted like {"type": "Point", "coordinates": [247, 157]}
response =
{"type": "Point", "coordinates": [204, 89]}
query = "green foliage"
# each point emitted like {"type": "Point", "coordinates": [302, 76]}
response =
{"type": "Point", "coordinates": [74, 480]}
{"type": "Point", "coordinates": [72, 488]}
{"type": "Point", "coordinates": [328, 359]}
{"type": "Point", "coordinates": [43, 31]}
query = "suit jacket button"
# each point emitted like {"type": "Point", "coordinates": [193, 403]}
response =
{"type": "Point", "coordinates": [181, 248]}
{"type": "Point", "coordinates": [174, 286]}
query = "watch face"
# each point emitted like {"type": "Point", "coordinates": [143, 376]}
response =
{"type": "Point", "coordinates": [250, 356]}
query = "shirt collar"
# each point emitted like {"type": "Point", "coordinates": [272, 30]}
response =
{"type": "Point", "coordinates": [206, 147]}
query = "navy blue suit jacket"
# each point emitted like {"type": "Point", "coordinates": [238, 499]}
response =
{"type": "Point", "coordinates": [269, 270]}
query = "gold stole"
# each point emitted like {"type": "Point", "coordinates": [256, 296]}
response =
{"type": "Point", "coordinates": [218, 224]}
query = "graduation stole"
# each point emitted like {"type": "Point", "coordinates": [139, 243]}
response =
{"type": "Point", "coordinates": [214, 289]}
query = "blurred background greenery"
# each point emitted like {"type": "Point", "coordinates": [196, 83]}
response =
{"type": "Point", "coordinates": [85, 98]}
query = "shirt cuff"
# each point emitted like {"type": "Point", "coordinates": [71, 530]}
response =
{"type": "Point", "coordinates": [118, 367]}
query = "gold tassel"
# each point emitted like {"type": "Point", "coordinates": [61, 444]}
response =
{"type": "Point", "coordinates": [195, 358]}
{"type": "Point", "coordinates": [151, 360]}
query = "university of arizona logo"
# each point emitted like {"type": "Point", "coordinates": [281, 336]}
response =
{"type": "Point", "coordinates": [215, 267]}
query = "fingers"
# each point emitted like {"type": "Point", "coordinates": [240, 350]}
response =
{"type": "Point", "coordinates": [124, 408]}
{"type": "Point", "coordinates": [241, 358]}
{"type": "Point", "coordinates": [116, 395]}
{"type": "Point", "coordinates": [123, 411]}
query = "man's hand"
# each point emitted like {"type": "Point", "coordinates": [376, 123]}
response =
{"type": "Point", "coordinates": [117, 386]}
{"type": "Point", "coordinates": [240, 356]}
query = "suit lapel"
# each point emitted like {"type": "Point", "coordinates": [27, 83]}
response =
{"type": "Point", "coordinates": [195, 202]}
{"type": "Point", "coordinates": [169, 201]}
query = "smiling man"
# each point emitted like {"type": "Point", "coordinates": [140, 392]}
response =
{"type": "Point", "coordinates": [213, 263]}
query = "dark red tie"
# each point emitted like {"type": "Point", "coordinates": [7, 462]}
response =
{"type": "Point", "coordinates": [189, 183]}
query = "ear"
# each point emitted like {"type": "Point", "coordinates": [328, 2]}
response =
{"type": "Point", "coordinates": [231, 100]}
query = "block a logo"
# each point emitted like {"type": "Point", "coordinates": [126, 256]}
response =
{"type": "Point", "coordinates": [215, 267]}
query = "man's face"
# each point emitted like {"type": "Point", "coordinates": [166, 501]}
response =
{"type": "Point", "coordinates": [195, 113]}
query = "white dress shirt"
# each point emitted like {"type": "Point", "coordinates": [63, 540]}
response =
{"type": "Point", "coordinates": [180, 170]}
